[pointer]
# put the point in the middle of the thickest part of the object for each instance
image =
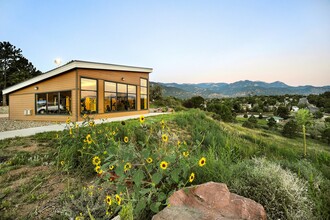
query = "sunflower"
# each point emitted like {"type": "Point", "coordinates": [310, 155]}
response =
{"type": "Point", "coordinates": [118, 199]}
{"type": "Point", "coordinates": [163, 165]}
{"type": "Point", "coordinates": [202, 161]}
{"type": "Point", "coordinates": [149, 160]}
{"type": "Point", "coordinates": [192, 177]}
{"type": "Point", "coordinates": [164, 138]}
{"type": "Point", "coordinates": [179, 143]}
{"type": "Point", "coordinates": [68, 120]}
{"type": "Point", "coordinates": [108, 200]}
{"type": "Point", "coordinates": [185, 153]}
{"type": "Point", "coordinates": [142, 119]}
{"type": "Point", "coordinates": [84, 116]}
{"type": "Point", "coordinates": [127, 166]}
{"type": "Point", "coordinates": [96, 161]}
{"type": "Point", "coordinates": [162, 124]}
{"type": "Point", "coordinates": [111, 167]}
{"type": "Point", "coordinates": [89, 139]}
{"type": "Point", "coordinates": [79, 217]}
{"type": "Point", "coordinates": [91, 123]}
{"type": "Point", "coordinates": [98, 170]}
{"type": "Point", "coordinates": [126, 139]}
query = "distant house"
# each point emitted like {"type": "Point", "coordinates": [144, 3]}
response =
{"type": "Point", "coordinates": [79, 87]}
{"type": "Point", "coordinates": [295, 108]}
{"type": "Point", "coordinates": [246, 107]}
{"type": "Point", "coordinates": [276, 118]}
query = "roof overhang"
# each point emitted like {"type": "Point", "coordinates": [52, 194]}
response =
{"type": "Point", "coordinates": [73, 65]}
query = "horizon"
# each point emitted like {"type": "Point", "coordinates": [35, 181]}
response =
{"type": "Point", "coordinates": [184, 42]}
{"type": "Point", "coordinates": [241, 81]}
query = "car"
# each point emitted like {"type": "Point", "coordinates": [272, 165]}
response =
{"type": "Point", "coordinates": [51, 109]}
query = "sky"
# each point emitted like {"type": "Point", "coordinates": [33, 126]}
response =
{"type": "Point", "coordinates": [184, 41]}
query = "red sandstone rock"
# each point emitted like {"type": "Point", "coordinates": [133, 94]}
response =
{"type": "Point", "coordinates": [210, 201]}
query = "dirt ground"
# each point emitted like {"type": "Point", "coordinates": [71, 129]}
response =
{"type": "Point", "coordinates": [32, 190]}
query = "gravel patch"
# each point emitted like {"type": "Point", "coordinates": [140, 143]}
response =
{"type": "Point", "coordinates": [10, 125]}
{"type": "Point", "coordinates": [3, 109]}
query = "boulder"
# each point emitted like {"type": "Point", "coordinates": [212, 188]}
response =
{"type": "Point", "coordinates": [210, 201]}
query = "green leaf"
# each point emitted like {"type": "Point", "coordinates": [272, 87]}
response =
{"type": "Point", "coordinates": [121, 188]}
{"type": "Point", "coordinates": [144, 191]}
{"type": "Point", "coordinates": [161, 197]}
{"type": "Point", "coordinates": [145, 153]}
{"type": "Point", "coordinates": [156, 178]}
{"type": "Point", "coordinates": [175, 175]}
{"type": "Point", "coordinates": [119, 170]}
{"type": "Point", "coordinates": [170, 159]}
{"type": "Point", "coordinates": [155, 207]}
{"type": "Point", "coordinates": [138, 177]}
{"type": "Point", "coordinates": [141, 143]}
{"type": "Point", "coordinates": [141, 205]}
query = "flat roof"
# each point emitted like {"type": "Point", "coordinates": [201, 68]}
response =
{"type": "Point", "coordinates": [73, 65]}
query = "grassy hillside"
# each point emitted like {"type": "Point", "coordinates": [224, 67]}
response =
{"type": "Point", "coordinates": [135, 165]}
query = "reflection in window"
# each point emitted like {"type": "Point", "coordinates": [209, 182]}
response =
{"type": "Point", "coordinates": [53, 103]}
{"type": "Point", "coordinates": [88, 96]}
{"type": "Point", "coordinates": [119, 97]}
{"type": "Point", "coordinates": [144, 93]}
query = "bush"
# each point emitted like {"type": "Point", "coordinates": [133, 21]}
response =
{"type": "Point", "coordinates": [251, 122]}
{"type": "Point", "coordinates": [282, 193]}
{"type": "Point", "coordinates": [290, 129]}
{"type": "Point", "coordinates": [319, 186]}
{"type": "Point", "coordinates": [271, 123]}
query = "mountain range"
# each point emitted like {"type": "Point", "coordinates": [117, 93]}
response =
{"type": "Point", "coordinates": [236, 89]}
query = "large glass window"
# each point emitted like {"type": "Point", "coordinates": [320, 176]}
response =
{"type": "Point", "coordinates": [110, 96]}
{"type": "Point", "coordinates": [53, 103]}
{"type": "Point", "coordinates": [88, 96]}
{"type": "Point", "coordinates": [119, 97]}
{"type": "Point", "coordinates": [144, 93]}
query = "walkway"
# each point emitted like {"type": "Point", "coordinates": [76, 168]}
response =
{"type": "Point", "coordinates": [60, 127]}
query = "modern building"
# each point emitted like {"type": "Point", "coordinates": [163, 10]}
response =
{"type": "Point", "coordinates": [98, 89]}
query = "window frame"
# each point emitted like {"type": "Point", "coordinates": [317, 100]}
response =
{"type": "Point", "coordinates": [88, 90]}
{"type": "Point", "coordinates": [124, 95]}
{"type": "Point", "coordinates": [147, 93]}
{"type": "Point", "coordinates": [46, 110]}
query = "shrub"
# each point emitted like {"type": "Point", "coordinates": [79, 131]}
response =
{"type": "Point", "coordinates": [281, 192]}
{"type": "Point", "coordinates": [319, 186]}
{"type": "Point", "coordinates": [251, 122]}
{"type": "Point", "coordinates": [326, 135]}
{"type": "Point", "coordinates": [290, 129]}
{"type": "Point", "coordinates": [271, 123]}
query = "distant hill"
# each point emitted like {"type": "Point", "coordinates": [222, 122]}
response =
{"type": "Point", "coordinates": [239, 88]}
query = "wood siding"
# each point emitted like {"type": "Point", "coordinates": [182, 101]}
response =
{"type": "Point", "coordinates": [24, 99]}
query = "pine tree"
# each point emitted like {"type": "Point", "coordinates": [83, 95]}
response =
{"type": "Point", "coordinates": [14, 67]}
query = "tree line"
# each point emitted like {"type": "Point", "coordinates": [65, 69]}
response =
{"type": "Point", "coordinates": [14, 68]}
